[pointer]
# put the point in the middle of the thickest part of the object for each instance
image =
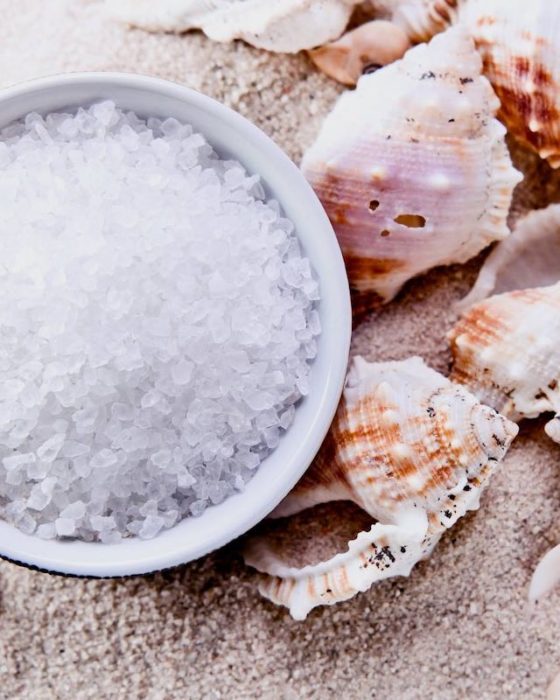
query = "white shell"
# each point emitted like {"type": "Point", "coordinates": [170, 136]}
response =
{"type": "Point", "coordinates": [546, 575]}
{"type": "Point", "coordinates": [530, 257]}
{"type": "Point", "coordinates": [277, 25]}
{"type": "Point", "coordinates": [413, 451]}
{"type": "Point", "coordinates": [412, 167]}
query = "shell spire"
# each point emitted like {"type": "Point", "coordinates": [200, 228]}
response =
{"type": "Point", "coordinates": [412, 167]}
{"type": "Point", "coordinates": [411, 449]}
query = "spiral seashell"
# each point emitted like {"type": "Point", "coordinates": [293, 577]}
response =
{"type": "Point", "coordinates": [412, 168]}
{"type": "Point", "coordinates": [506, 351]}
{"type": "Point", "coordinates": [530, 257]}
{"type": "Point", "coordinates": [411, 449]}
{"type": "Point", "coordinates": [286, 27]}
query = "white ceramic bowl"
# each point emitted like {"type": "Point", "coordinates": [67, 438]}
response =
{"type": "Point", "coordinates": [234, 136]}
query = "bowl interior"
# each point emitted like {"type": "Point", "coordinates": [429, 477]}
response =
{"type": "Point", "coordinates": [232, 136]}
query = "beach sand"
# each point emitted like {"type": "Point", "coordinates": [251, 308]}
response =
{"type": "Point", "coordinates": [458, 627]}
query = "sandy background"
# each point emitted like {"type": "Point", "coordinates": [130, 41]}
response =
{"type": "Point", "coordinates": [459, 627]}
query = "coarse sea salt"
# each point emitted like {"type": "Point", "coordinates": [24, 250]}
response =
{"type": "Point", "coordinates": [157, 320]}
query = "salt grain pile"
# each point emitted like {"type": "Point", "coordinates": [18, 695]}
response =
{"type": "Point", "coordinates": [157, 323]}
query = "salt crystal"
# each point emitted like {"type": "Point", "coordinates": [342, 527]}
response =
{"type": "Point", "coordinates": [38, 499]}
{"type": "Point", "coordinates": [161, 317]}
{"type": "Point", "coordinates": [161, 458]}
{"type": "Point", "coordinates": [110, 537]}
{"type": "Point", "coordinates": [47, 531]}
{"type": "Point", "coordinates": [103, 459]}
{"type": "Point", "coordinates": [287, 418]}
{"type": "Point", "coordinates": [75, 511]}
{"type": "Point", "coordinates": [102, 523]}
{"type": "Point", "coordinates": [151, 526]}
{"type": "Point", "coordinates": [18, 460]}
{"type": "Point", "coordinates": [26, 523]}
{"type": "Point", "coordinates": [49, 450]}
{"type": "Point", "coordinates": [181, 373]}
{"type": "Point", "coordinates": [198, 507]}
{"type": "Point", "coordinates": [65, 527]}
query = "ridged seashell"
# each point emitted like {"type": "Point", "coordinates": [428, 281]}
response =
{"type": "Point", "coordinates": [530, 257]}
{"type": "Point", "coordinates": [412, 167]}
{"type": "Point", "coordinates": [506, 350]}
{"type": "Point", "coordinates": [411, 449]}
{"type": "Point", "coordinates": [372, 44]}
{"type": "Point", "coordinates": [520, 47]}
{"type": "Point", "coordinates": [287, 26]}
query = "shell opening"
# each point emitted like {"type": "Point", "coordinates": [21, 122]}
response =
{"type": "Point", "coordinates": [410, 220]}
{"type": "Point", "coordinates": [385, 233]}
{"type": "Point", "coordinates": [373, 205]}
{"type": "Point", "coordinates": [371, 68]}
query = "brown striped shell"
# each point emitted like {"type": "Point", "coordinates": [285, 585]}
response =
{"type": "Point", "coordinates": [411, 449]}
{"type": "Point", "coordinates": [519, 44]}
{"type": "Point", "coordinates": [412, 168]}
{"type": "Point", "coordinates": [506, 350]}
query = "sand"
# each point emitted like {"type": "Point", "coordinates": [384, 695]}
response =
{"type": "Point", "coordinates": [459, 627]}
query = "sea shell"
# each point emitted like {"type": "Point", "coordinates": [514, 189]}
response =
{"type": "Point", "coordinates": [506, 350]}
{"type": "Point", "coordinates": [287, 26]}
{"type": "Point", "coordinates": [420, 19]}
{"type": "Point", "coordinates": [397, 24]}
{"type": "Point", "coordinates": [373, 44]}
{"type": "Point", "coordinates": [546, 575]}
{"type": "Point", "coordinates": [553, 690]}
{"type": "Point", "coordinates": [411, 449]}
{"type": "Point", "coordinates": [530, 257]}
{"type": "Point", "coordinates": [520, 48]}
{"type": "Point", "coordinates": [412, 168]}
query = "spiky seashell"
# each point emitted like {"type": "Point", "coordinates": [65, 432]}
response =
{"type": "Point", "coordinates": [412, 167]}
{"type": "Point", "coordinates": [411, 449]}
{"type": "Point", "coordinates": [530, 257]}
{"type": "Point", "coordinates": [373, 44]}
{"type": "Point", "coordinates": [287, 26]}
{"type": "Point", "coordinates": [519, 44]}
{"type": "Point", "coordinates": [506, 350]}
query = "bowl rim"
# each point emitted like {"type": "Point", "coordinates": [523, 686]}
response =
{"type": "Point", "coordinates": [66, 557]}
